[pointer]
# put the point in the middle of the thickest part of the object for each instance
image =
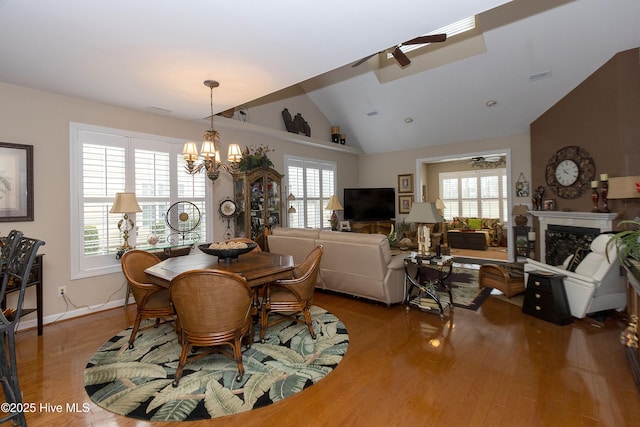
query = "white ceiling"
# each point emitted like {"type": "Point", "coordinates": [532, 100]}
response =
{"type": "Point", "coordinates": [150, 54]}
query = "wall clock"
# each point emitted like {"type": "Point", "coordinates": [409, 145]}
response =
{"type": "Point", "coordinates": [570, 172]}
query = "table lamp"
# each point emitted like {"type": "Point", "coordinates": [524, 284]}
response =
{"type": "Point", "coordinates": [521, 212]}
{"type": "Point", "coordinates": [423, 213]}
{"type": "Point", "coordinates": [125, 203]}
{"type": "Point", "coordinates": [624, 188]}
{"type": "Point", "coordinates": [334, 205]}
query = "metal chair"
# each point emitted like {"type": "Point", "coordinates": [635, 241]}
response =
{"type": "Point", "coordinates": [152, 301]}
{"type": "Point", "coordinates": [214, 310]}
{"type": "Point", "coordinates": [17, 270]}
{"type": "Point", "coordinates": [288, 297]}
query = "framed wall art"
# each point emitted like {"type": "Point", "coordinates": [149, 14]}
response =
{"type": "Point", "coordinates": [16, 182]}
{"type": "Point", "coordinates": [404, 203]}
{"type": "Point", "coordinates": [405, 183]}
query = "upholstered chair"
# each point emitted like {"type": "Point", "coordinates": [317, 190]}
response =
{"type": "Point", "coordinates": [288, 297]}
{"type": "Point", "coordinates": [214, 310]}
{"type": "Point", "coordinates": [597, 283]}
{"type": "Point", "coordinates": [152, 301]}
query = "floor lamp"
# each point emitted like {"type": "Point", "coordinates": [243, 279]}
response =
{"type": "Point", "coordinates": [423, 213]}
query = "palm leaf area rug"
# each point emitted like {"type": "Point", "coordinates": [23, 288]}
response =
{"type": "Point", "coordinates": [137, 382]}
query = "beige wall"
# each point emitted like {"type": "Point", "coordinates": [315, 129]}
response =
{"type": "Point", "coordinates": [383, 169]}
{"type": "Point", "coordinates": [42, 119]}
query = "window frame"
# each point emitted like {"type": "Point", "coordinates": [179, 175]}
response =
{"type": "Point", "coordinates": [82, 266]}
{"type": "Point", "coordinates": [503, 196]}
{"type": "Point", "coordinates": [303, 203]}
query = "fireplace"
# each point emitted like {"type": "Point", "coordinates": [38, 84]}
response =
{"type": "Point", "coordinates": [577, 228]}
{"type": "Point", "coordinates": [562, 241]}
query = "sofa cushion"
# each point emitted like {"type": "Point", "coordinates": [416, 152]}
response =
{"type": "Point", "coordinates": [475, 223]}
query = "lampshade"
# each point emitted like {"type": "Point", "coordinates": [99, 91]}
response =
{"type": "Point", "coordinates": [208, 149]}
{"type": "Point", "coordinates": [623, 187]}
{"type": "Point", "coordinates": [520, 210]}
{"type": "Point", "coordinates": [424, 213]}
{"type": "Point", "coordinates": [291, 197]}
{"type": "Point", "coordinates": [125, 203]}
{"type": "Point", "coordinates": [334, 204]}
{"type": "Point", "coordinates": [190, 151]}
{"type": "Point", "coordinates": [440, 204]}
{"type": "Point", "coordinates": [234, 154]}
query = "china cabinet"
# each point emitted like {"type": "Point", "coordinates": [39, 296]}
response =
{"type": "Point", "coordinates": [257, 194]}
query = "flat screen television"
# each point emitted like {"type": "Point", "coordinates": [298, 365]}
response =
{"type": "Point", "coordinates": [369, 204]}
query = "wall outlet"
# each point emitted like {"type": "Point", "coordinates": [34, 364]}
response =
{"type": "Point", "coordinates": [61, 291]}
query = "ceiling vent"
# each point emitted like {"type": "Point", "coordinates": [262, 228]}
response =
{"type": "Point", "coordinates": [539, 76]}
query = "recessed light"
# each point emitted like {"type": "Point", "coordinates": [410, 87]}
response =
{"type": "Point", "coordinates": [491, 103]}
{"type": "Point", "coordinates": [408, 120]}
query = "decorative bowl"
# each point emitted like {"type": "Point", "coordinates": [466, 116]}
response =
{"type": "Point", "coordinates": [226, 254]}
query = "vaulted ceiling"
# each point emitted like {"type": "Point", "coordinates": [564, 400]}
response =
{"type": "Point", "coordinates": [154, 56]}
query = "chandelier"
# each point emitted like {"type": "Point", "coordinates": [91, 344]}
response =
{"type": "Point", "coordinates": [209, 149]}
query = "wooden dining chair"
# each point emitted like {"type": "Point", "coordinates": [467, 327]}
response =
{"type": "Point", "coordinates": [288, 297]}
{"type": "Point", "coordinates": [152, 301]}
{"type": "Point", "coordinates": [214, 310]}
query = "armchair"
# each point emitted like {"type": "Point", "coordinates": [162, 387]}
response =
{"type": "Point", "coordinates": [596, 284]}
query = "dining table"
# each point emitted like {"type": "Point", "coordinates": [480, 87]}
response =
{"type": "Point", "coordinates": [258, 268]}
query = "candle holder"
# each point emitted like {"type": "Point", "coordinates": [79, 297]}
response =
{"type": "Point", "coordinates": [595, 196]}
{"type": "Point", "coordinates": [604, 191]}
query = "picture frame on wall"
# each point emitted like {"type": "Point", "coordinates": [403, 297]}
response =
{"type": "Point", "coordinates": [404, 203]}
{"type": "Point", "coordinates": [16, 182]}
{"type": "Point", "coordinates": [549, 205]}
{"type": "Point", "coordinates": [405, 183]}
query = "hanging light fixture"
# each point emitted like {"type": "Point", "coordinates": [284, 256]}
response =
{"type": "Point", "coordinates": [210, 149]}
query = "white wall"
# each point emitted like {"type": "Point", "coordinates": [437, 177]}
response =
{"type": "Point", "coordinates": [42, 119]}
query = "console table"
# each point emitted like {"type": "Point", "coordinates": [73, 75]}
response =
{"type": "Point", "coordinates": [35, 279]}
{"type": "Point", "coordinates": [426, 284]}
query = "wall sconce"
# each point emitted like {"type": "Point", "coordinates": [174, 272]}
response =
{"type": "Point", "coordinates": [209, 150]}
{"type": "Point", "coordinates": [125, 203]}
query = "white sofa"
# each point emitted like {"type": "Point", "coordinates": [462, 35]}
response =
{"type": "Point", "coordinates": [352, 263]}
{"type": "Point", "coordinates": [597, 283]}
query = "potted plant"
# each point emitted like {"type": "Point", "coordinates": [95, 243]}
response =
{"type": "Point", "coordinates": [627, 241]}
{"type": "Point", "coordinates": [255, 157]}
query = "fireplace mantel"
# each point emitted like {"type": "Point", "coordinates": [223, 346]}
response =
{"type": "Point", "coordinates": [601, 221]}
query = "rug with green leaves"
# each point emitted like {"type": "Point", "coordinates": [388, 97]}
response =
{"type": "Point", "coordinates": [137, 383]}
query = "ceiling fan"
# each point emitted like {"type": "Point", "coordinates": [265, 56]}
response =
{"type": "Point", "coordinates": [399, 55]}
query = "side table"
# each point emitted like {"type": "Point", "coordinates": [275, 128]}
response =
{"type": "Point", "coordinates": [546, 298]}
{"type": "Point", "coordinates": [425, 284]}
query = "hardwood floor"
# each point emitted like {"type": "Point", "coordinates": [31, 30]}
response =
{"type": "Point", "coordinates": [492, 367]}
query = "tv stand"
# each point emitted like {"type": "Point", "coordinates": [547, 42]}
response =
{"type": "Point", "coordinates": [372, 227]}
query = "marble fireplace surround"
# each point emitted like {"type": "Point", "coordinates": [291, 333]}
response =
{"type": "Point", "coordinates": [600, 221]}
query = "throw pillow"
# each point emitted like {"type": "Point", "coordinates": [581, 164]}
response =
{"type": "Point", "coordinates": [577, 258]}
{"type": "Point", "coordinates": [475, 223]}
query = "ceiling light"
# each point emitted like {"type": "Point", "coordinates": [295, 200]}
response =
{"type": "Point", "coordinates": [491, 103]}
{"type": "Point", "coordinates": [408, 120]}
{"type": "Point", "coordinates": [210, 149]}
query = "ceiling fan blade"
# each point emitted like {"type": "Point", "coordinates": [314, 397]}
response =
{"type": "Point", "coordinates": [434, 38]}
{"type": "Point", "coordinates": [402, 59]}
{"type": "Point", "coordinates": [363, 60]}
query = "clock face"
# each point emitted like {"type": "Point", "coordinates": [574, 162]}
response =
{"type": "Point", "coordinates": [228, 208]}
{"type": "Point", "coordinates": [567, 172]}
{"type": "Point", "coordinates": [570, 172]}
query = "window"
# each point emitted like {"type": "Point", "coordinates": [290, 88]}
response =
{"type": "Point", "coordinates": [106, 161]}
{"type": "Point", "coordinates": [312, 182]}
{"type": "Point", "coordinates": [478, 194]}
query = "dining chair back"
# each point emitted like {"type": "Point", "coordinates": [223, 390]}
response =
{"type": "Point", "coordinates": [288, 297]}
{"type": "Point", "coordinates": [214, 310]}
{"type": "Point", "coordinates": [152, 301]}
{"type": "Point", "coordinates": [16, 274]}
